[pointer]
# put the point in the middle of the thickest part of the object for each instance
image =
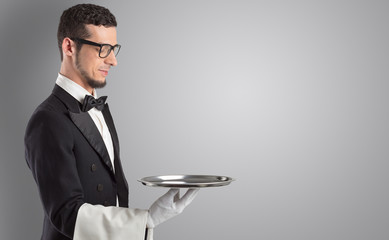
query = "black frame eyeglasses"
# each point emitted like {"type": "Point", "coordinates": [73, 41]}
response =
{"type": "Point", "coordinates": [105, 49]}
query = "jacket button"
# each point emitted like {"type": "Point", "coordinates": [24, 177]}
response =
{"type": "Point", "coordinates": [93, 167]}
{"type": "Point", "coordinates": [100, 187]}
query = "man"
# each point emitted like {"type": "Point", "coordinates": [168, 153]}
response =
{"type": "Point", "coordinates": [72, 147]}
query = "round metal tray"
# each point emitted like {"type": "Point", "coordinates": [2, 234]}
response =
{"type": "Point", "coordinates": [186, 181]}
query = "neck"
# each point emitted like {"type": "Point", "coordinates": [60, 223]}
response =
{"type": "Point", "coordinates": [75, 77]}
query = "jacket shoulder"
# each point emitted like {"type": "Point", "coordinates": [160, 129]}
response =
{"type": "Point", "coordinates": [52, 104]}
{"type": "Point", "coordinates": [50, 113]}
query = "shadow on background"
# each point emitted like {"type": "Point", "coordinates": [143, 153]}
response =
{"type": "Point", "coordinates": [29, 62]}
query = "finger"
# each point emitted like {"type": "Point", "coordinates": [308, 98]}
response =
{"type": "Point", "coordinates": [177, 196]}
{"type": "Point", "coordinates": [188, 197]}
{"type": "Point", "coordinates": [171, 193]}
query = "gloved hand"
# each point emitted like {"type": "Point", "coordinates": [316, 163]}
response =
{"type": "Point", "coordinates": [169, 205]}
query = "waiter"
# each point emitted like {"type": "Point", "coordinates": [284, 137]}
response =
{"type": "Point", "coordinates": [72, 147]}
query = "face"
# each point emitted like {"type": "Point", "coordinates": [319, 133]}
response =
{"type": "Point", "coordinates": [92, 69]}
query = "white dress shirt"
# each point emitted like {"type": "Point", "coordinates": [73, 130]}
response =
{"type": "Point", "coordinates": [96, 222]}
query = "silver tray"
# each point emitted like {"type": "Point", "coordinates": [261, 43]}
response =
{"type": "Point", "coordinates": [186, 181]}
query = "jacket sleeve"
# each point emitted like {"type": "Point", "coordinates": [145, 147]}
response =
{"type": "Point", "coordinates": [49, 145]}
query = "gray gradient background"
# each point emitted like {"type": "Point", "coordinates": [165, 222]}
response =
{"type": "Point", "coordinates": [289, 97]}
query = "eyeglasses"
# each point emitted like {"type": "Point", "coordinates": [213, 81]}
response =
{"type": "Point", "coordinates": [105, 49]}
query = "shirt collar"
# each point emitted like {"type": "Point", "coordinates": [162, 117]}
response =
{"type": "Point", "coordinates": [73, 88]}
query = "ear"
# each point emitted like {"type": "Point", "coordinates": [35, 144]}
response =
{"type": "Point", "coordinates": [68, 47]}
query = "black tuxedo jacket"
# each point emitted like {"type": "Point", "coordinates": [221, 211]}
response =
{"type": "Point", "coordinates": [70, 163]}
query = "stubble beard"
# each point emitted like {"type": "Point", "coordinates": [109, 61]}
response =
{"type": "Point", "coordinates": [93, 83]}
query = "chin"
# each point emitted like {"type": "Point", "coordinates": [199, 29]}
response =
{"type": "Point", "coordinates": [97, 83]}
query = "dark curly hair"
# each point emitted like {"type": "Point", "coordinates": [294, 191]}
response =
{"type": "Point", "coordinates": [73, 21]}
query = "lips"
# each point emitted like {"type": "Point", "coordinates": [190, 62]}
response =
{"type": "Point", "coordinates": [104, 72]}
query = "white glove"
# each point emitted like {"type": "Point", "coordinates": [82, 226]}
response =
{"type": "Point", "coordinates": [169, 205]}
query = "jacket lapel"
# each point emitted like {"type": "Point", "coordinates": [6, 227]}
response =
{"type": "Point", "coordinates": [85, 124]}
{"type": "Point", "coordinates": [111, 126]}
{"type": "Point", "coordinates": [88, 128]}
{"type": "Point", "coordinates": [122, 185]}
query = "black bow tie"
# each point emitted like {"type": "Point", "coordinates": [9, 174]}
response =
{"type": "Point", "coordinates": [91, 102]}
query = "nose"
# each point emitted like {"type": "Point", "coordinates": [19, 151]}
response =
{"type": "Point", "coordinates": [111, 59]}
